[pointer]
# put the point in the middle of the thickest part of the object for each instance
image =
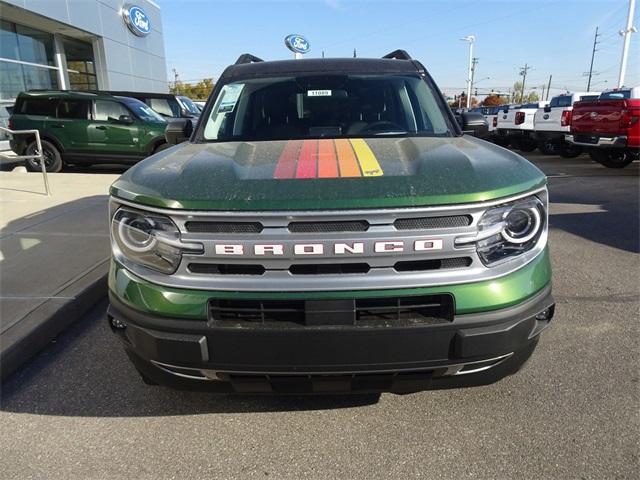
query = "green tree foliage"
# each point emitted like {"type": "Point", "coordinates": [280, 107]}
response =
{"type": "Point", "coordinates": [197, 91]}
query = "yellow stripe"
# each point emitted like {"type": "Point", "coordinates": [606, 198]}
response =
{"type": "Point", "coordinates": [368, 161]}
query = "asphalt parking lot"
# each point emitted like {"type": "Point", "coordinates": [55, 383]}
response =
{"type": "Point", "coordinates": [79, 409]}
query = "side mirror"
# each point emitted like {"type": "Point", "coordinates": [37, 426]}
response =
{"type": "Point", "coordinates": [475, 124]}
{"type": "Point", "coordinates": [547, 108]}
{"type": "Point", "coordinates": [178, 130]}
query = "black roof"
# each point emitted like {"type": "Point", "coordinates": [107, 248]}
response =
{"type": "Point", "coordinates": [322, 65]}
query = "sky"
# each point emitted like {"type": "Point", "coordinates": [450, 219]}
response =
{"type": "Point", "coordinates": [554, 37]}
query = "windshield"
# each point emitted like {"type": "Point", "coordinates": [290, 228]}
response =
{"type": "Point", "coordinates": [325, 106]}
{"type": "Point", "coordinates": [189, 106]}
{"type": "Point", "coordinates": [143, 111]}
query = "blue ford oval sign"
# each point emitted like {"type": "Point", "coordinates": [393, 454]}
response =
{"type": "Point", "coordinates": [137, 21]}
{"type": "Point", "coordinates": [297, 43]}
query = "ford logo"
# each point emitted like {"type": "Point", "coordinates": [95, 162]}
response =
{"type": "Point", "coordinates": [546, 116]}
{"type": "Point", "coordinates": [297, 43]}
{"type": "Point", "coordinates": [593, 114]}
{"type": "Point", "coordinates": [137, 21]}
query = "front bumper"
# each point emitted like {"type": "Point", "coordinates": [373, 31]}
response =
{"type": "Point", "coordinates": [596, 141]}
{"type": "Point", "coordinates": [474, 348]}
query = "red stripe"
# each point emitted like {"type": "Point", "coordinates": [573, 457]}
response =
{"type": "Point", "coordinates": [327, 161]}
{"type": "Point", "coordinates": [286, 166]}
{"type": "Point", "coordinates": [308, 159]}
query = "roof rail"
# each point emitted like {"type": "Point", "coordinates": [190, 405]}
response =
{"type": "Point", "coordinates": [398, 55]}
{"type": "Point", "coordinates": [247, 58]}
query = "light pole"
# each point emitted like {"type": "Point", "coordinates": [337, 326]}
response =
{"type": "Point", "coordinates": [626, 35]}
{"type": "Point", "coordinates": [470, 39]}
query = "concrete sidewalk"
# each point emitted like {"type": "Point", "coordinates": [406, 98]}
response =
{"type": "Point", "coordinates": [53, 257]}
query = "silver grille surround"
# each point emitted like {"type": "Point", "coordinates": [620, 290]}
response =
{"type": "Point", "coordinates": [381, 275]}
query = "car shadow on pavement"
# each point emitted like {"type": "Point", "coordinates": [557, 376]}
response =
{"type": "Point", "coordinates": [86, 373]}
{"type": "Point", "coordinates": [605, 213]}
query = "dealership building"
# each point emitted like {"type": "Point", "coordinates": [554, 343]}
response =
{"type": "Point", "coordinates": [81, 45]}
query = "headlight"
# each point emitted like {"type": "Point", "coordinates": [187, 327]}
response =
{"type": "Point", "coordinates": [510, 230]}
{"type": "Point", "coordinates": [148, 239]}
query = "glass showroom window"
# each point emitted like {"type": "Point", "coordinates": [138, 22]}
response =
{"type": "Point", "coordinates": [26, 60]}
{"type": "Point", "coordinates": [80, 65]}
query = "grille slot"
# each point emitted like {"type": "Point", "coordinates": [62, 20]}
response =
{"type": "Point", "coordinates": [367, 312]}
{"type": "Point", "coordinates": [226, 269]}
{"type": "Point", "coordinates": [328, 227]}
{"type": "Point", "coordinates": [435, 264]}
{"type": "Point", "coordinates": [223, 227]}
{"type": "Point", "coordinates": [424, 223]}
{"type": "Point", "coordinates": [329, 268]}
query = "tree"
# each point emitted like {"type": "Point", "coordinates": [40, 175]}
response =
{"type": "Point", "coordinates": [198, 91]}
{"type": "Point", "coordinates": [532, 97]}
{"type": "Point", "coordinates": [492, 101]}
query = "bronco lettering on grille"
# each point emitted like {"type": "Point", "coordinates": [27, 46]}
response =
{"type": "Point", "coordinates": [338, 248]}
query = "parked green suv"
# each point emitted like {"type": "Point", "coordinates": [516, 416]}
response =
{"type": "Point", "coordinates": [85, 128]}
{"type": "Point", "coordinates": [329, 227]}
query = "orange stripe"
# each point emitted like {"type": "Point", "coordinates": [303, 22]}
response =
{"type": "Point", "coordinates": [347, 159]}
{"type": "Point", "coordinates": [308, 159]}
{"type": "Point", "coordinates": [327, 163]}
{"type": "Point", "coordinates": [286, 166]}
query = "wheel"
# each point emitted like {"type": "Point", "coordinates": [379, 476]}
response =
{"type": "Point", "coordinates": [527, 145]}
{"type": "Point", "coordinates": [548, 147]}
{"type": "Point", "coordinates": [567, 150]}
{"type": "Point", "coordinates": [611, 158]}
{"type": "Point", "coordinates": [162, 146]}
{"type": "Point", "coordinates": [52, 157]}
{"type": "Point", "coordinates": [501, 140]}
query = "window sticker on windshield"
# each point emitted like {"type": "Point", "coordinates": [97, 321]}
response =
{"type": "Point", "coordinates": [318, 93]}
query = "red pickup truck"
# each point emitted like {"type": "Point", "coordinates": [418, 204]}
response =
{"type": "Point", "coordinates": [609, 127]}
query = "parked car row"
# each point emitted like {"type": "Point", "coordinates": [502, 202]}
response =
{"type": "Point", "coordinates": [605, 125]}
{"type": "Point", "coordinates": [78, 127]}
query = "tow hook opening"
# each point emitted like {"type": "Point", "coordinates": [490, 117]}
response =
{"type": "Point", "coordinates": [116, 324]}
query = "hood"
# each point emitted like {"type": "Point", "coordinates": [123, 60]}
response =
{"type": "Point", "coordinates": [327, 174]}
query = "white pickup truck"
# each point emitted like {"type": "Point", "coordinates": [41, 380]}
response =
{"type": "Point", "coordinates": [515, 125]}
{"type": "Point", "coordinates": [552, 122]}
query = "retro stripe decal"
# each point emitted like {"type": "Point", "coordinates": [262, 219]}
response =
{"type": "Point", "coordinates": [338, 158]}
{"type": "Point", "coordinates": [368, 161]}
{"type": "Point", "coordinates": [286, 166]}
{"type": "Point", "coordinates": [347, 159]}
{"type": "Point", "coordinates": [308, 160]}
{"type": "Point", "coordinates": [327, 161]}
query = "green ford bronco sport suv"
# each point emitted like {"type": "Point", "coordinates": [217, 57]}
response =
{"type": "Point", "coordinates": [326, 228]}
{"type": "Point", "coordinates": [85, 128]}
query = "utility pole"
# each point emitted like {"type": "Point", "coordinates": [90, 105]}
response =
{"type": "Point", "coordinates": [175, 80]}
{"type": "Point", "coordinates": [548, 88]}
{"type": "Point", "coordinates": [593, 54]}
{"type": "Point", "coordinates": [523, 72]}
{"type": "Point", "coordinates": [626, 34]}
{"type": "Point", "coordinates": [474, 62]}
{"type": "Point", "coordinates": [354, 53]}
{"type": "Point", "coordinates": [471, 39]}
{"type": "Point", "coordinates": [542, 96]}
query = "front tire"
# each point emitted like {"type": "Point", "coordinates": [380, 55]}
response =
{"type": "Point", "coordinates": [548, 147]}
{"type": "Point", "coordinates": [611, 158]}
{"type": "Point", "coordinates": [52, 157]}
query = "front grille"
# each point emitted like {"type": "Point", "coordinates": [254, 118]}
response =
{"type": "Point", "coordinates": [329, 227]}
{"type": "Point", "coordinates": [329, 268]}
{"type": "Point", "coordinates": [223, 227]}
{"type": "Point", "coordinates": [226, 269]}
{"type": "Point", "coordinates": [436, 264]}
{"type": "Point", "coordinates": [370, 312]}
{"type": "Point", "coordinates": [424, 223]}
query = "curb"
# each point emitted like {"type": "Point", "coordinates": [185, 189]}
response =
{"type": "Point", "coordinates": [26, 338]}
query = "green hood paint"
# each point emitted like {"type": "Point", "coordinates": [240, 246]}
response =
{"type": "Point", "coordinates": [418, 171]}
